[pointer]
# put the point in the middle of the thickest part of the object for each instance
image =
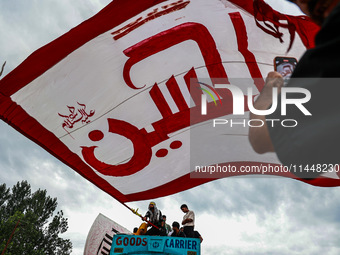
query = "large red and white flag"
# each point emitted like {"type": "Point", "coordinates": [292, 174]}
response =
{"type": "Point", "coordinates": [111, 98]}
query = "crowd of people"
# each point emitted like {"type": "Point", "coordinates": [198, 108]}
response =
{"type": "Point", "coordinates": [155, 224]}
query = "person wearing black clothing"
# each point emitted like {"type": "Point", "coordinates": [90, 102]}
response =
{"type": "Point", "coordinates": [315, 140]}
{"type": "Point", "coordinates": [154, 215]}
{"type": "Point", "coordinates": [176, 232]}
{"type": "Point", "coordinates": [198, 235]}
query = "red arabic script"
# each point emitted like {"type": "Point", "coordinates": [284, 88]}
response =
{"type": "Point", "coordinates": [76, 115]}
{"type": "Point", "coordinates": [143, 141]}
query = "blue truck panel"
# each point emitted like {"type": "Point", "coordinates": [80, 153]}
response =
{"type": "Point", "coordinates": [133, 244]}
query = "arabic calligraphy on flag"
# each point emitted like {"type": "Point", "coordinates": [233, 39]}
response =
{"type": "Point", "coordinates": [117, 87]}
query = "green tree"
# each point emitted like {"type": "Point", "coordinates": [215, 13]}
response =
{"type": "Point", "coordinates": [38, 230]}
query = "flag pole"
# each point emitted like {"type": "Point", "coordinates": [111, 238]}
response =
{"type": "Point", "coordinates": [138, 214]}
{"type": "Point", "coordinates": [2, 68]}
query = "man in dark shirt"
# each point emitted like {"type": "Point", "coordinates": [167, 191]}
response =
{"type": "Point", "coordinates": [315, 140]}
{"type": "Point", "coordinates": [175, 230]}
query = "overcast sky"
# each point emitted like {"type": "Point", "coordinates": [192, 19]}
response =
{"type": "Point", "coordinates": [234, 216]}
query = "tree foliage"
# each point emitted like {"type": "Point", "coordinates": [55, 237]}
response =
{"type": "Point", "coordinates": [38, 230]}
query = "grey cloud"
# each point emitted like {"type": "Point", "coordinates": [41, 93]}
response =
{"type": "Point", "coordinates": [298, 218]}
{"type": "Point", "coordinates": [28, 25]}
{"type": "Point", "coordinates": [236, 195]}
{"type": "Point", "coordinates": [264, 196]}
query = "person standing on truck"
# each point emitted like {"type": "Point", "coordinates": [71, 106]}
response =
{"type": "Point", "coordinates": [188, 221]}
